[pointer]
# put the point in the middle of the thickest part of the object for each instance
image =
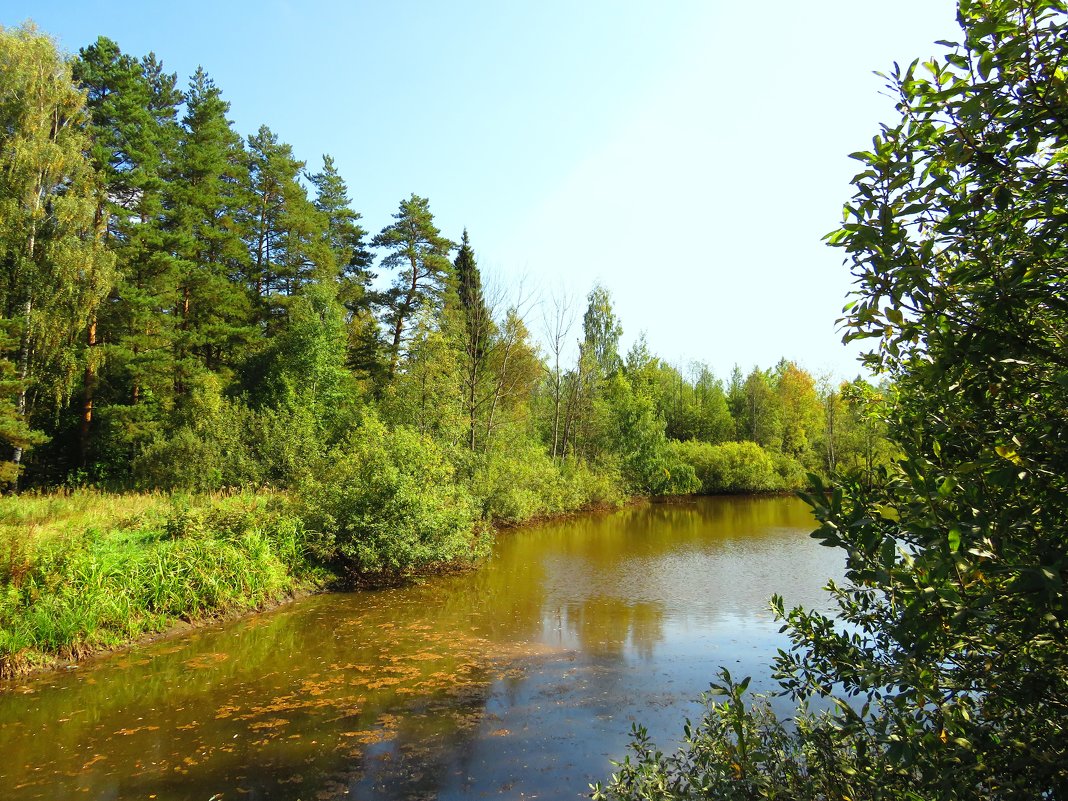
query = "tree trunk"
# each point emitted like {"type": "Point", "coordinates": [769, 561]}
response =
{"type": "Point", "coordinates": [89, 388]}
{"type": "Point", "coordinates": [402, 311]}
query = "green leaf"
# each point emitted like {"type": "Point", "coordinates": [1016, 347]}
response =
{"type": "Point", "coordinates": [954, 539]}
{"type": "Point", "coordinates": [986, 64]}
{"type": "Point", "coordinates": [888, 512]}
{"type": "Point", "coordinates": [1003, 198]}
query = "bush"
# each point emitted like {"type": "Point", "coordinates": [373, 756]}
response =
{"type": "Point", "coordinates": [206, 450]}
{"type": "Point", "coordinates": [730, 467]}
{"type": "Point", "coordinates": [522, 482]}
{"type": "Point", "coordinates": [387, 504]}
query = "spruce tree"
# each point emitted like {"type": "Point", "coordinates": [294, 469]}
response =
{"type": "Point", "coordinates": [475, 331]}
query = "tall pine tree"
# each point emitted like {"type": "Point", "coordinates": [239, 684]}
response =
{"type": "Point", "coordinates": [346, 242]}
{"type": "Point", "coordinates": [208, 200]}
{"type": "Point", "coordinates": [420, 254]}
{"type": "Point", "coordinates": [133, 108]}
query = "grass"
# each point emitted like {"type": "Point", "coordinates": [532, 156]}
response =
{"type": "Point", "coordinates": [88, 571]}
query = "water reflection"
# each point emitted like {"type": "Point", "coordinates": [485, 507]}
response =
{"type": "Point", "coordinates": [522, 677]}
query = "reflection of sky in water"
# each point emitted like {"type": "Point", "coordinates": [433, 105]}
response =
{"type": "Point", "coordinates": [523, 677]}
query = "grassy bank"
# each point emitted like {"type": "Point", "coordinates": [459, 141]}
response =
{"type": "Point", "coordinates": [89, 571]}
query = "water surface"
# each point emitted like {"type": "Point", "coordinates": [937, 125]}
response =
{"type": "Point", "coordinates": [519, 680]}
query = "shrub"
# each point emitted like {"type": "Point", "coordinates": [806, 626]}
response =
{"type": "Point", "coordinates": [387, 504]}
{"type": "Point", "coordinates": [729, 467]}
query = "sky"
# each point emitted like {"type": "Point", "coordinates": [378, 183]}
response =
{"type": "Point", "coordinates": [688, 155]}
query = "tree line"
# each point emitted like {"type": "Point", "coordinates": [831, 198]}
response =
{"type": "Point", "coordinates": [187, 308]}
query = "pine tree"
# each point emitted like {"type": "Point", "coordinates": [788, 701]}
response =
{"type": "Point", "coordinates": [133, 108]}
{"type": "Point", "coordinates": [420, 253]}
{"type": "Point", "coordinates": [346, 242]}
{"type": "Point", "coordinates": [208, 200]}
{"type": "Point", "coordinates": [286, 232]}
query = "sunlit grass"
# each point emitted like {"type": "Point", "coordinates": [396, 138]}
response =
{"type": "Point", "coordinates": [84, 571]}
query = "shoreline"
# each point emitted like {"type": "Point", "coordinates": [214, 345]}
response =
{"type": "Point", "coordinates": [17, 672]}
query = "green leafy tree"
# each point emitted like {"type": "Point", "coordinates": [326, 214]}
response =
{"type": "Point", "coordinates": [50, 238]}
{"type": "Point", "coordinates": [601, 331]}
{"type": "Point", "coordinates": [760, 419]}
{"type": "Point", "coordinates": [800, 415]}
{"type": "Point", "coordinates": [948, 656]}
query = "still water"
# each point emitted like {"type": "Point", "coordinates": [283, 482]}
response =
{"type": "Point", "coordinates": [518, 680]}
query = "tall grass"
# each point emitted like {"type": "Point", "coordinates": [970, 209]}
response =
{"type": "Point", "coordinates": [88, 571]}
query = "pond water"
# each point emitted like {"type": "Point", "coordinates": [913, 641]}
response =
{"type": "Point", "coordinates": [518, 680]}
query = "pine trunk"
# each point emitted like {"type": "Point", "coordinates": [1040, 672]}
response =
{"type": "Point", "coordinates": [89, 388]}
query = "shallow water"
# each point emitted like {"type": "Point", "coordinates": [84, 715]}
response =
{"type": "Point", "coordinates": [519, 680]}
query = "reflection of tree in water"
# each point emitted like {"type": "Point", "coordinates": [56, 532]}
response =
{"type": "Point", "coordinates": [383, 694]}
{"type": "Point", "coordinates": [610, 626]}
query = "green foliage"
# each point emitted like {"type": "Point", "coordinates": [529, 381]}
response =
{"type": "Point", "coordinates": [56, 271]}
{"type": "Point", "coordinates": [630, 433]}
{"type": "Point", "coordinates": [601, 331]}
{"type": "Point", "coordinates": [738, 751]}
{"type": "Point", "coordinates": [420, 254]}
{"type": "Point", "coordinates": [947, 660]}
{"type": "Point", "coordinates": [386, 503]}
{"type": "Point", "coordinates": [206, 450]}
{"type": "Point", "coordinates": [100, 585]}
{"type": "Point", "coordinates": [522, 482]}
{"type": "Point", "coordinates": [730, 467]}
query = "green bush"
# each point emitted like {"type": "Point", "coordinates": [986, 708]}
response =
{"type": "Point", "coordinates": [516, 484]}
{"type": "Point", "coordinates": [730, 467]}
{"type": "Point", "coordinates": [792, 475]}
{"type": "Point", "coordinates": [387, 503]}
{"type": "Point", "coordinates": [522, 482]}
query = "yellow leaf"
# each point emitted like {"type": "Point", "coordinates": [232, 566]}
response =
{"type": "Point", "coordinates": [888, 512]}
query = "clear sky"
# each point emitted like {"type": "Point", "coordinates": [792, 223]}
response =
{"type": "Point", "coordinates": [688, 154]}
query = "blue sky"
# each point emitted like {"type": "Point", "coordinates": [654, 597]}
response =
{"type": "Point", "coordinates": [687, 154]}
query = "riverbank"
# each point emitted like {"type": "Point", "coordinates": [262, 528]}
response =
{"type": "Point", "coordinates": [88, 572]}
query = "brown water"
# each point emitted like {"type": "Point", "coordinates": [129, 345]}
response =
{"type": "Point", "coordinates": [518, 680]}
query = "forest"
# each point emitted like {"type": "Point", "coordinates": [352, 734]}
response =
{"type": "Point", "coordinates": [199, 315]}
{"type": "Point", "coordinates": [187, 308]}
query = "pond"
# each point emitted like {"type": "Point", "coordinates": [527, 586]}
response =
{"type": "Point", "coordinates": [517, 680]}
